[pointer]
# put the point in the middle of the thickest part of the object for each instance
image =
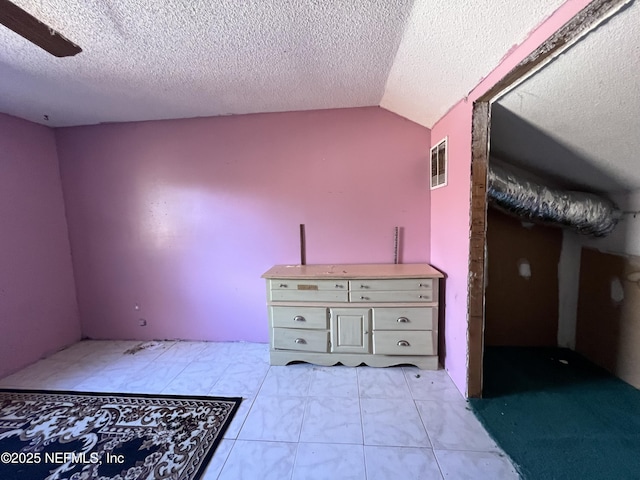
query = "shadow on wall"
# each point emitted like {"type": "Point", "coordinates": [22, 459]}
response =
{"type": "Point", "coordinates": [442, 300]}
{"type": "Point", "coordinates": [526, 146]}
{"type": "Point", "coordinates": [546, 370]}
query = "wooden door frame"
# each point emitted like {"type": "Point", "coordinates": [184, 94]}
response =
{"type": "Point", "coordinates": [584, 21]}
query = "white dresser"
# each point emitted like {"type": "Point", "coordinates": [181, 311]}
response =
{"type": "Point", "coordinates": [379, 315]}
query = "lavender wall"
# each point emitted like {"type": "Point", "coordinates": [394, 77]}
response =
{"type": "Point", "coordinates": [38, 310]}
{"type": "Point", "coordinates": [450, 206]}
{"type": "Point", "coordinates": [182, 217]}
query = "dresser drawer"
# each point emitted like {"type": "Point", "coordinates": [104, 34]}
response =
{"type": "Point", "coordinates": [300, 317]}
{"type": "Point", "coordinates": [391, 296]}
{"type": "Point", "coordinates": [307, 296]}
{"type": "Point", "coordinates": [308, 285]}
{"type": "Point", "coordinates": [308, 290]}
{"type": "Point", "coordinates": [419, 318]}
{"type": "Point", "coordinates": [407, 342]}
{"type": "Point", "coordinates": [392, 284]}
{"type": "Point", "coordinates": [300, 340]}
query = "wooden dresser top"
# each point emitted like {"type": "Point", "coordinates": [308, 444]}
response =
{"type": "Point", "coordinates": [381, 270]}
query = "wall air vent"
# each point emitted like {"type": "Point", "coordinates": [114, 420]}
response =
{"type": "Point", "coordinates": [439, 164]}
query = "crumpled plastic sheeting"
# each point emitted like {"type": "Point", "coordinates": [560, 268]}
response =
{"type": "Point", "coordinates": [587, 213]}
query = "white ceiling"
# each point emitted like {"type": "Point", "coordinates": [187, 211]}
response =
{"type": "Point", "coordinates": [449, 46]}
{"type": "Point", "coordinates": [578, 119]}
{"type": "Point", "coordinates": [157, 59]}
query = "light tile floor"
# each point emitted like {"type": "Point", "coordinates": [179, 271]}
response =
{"type": "Point", "coordinates": [299, 422]}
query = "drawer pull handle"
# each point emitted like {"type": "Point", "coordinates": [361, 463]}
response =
{"type": "Point", "coordinates": [364, 298]}
{"type": "Point", "coordinates": [338, 285]}
{"type": "Point", "coordinates": [425, 285]}
{"type": "Point", "coordinates": [424, 296]}
{"type": "Point", "coordinates": [364, 286]}
{"type": "Point", "coordinates": [403, 343]}
{"type": "Point", "coordinates": [403, 320]}
{"type": "Point", "coordinates": [283, 285]}
{"type": "Point", "coordinates": [299, 318]}
{"type": "Point", "coordinates": [300, 340]}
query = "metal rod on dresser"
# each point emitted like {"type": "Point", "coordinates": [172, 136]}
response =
{"type": "Point", "coordinates": [395, 246]}
{"type": "Point", "coordinates": [303, 246]}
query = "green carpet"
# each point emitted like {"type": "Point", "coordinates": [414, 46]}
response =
{"type": "Point", "coordinates": [560, 420]}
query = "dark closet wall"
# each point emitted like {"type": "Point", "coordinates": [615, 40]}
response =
{"type": "Point", "coordinates": [521, 310]}
{"type": "Point", "coordinates": [608, 324]}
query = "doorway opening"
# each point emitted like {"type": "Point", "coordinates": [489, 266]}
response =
{"type": "Point", "coordinates": [485, 224]}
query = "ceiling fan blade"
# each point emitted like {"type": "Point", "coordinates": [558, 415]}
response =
{"type": "Point", "coordinates": [25, 24]}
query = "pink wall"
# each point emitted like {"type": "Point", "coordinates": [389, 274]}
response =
{"type": "Point", "coordinates": [183, 216]}
{"type": "Point", "coordinates": [450, 206]}
{"type": "Point", "coordinates": [38, 310]}
{"type": "Point", "coordinates": [450, 236]}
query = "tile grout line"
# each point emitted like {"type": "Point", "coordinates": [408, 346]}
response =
{"type": "Point", "coordinates": [304, 414]}
{"type": "Point", "coordinates": [360, 406]}
{"type": "Point", "coordinates": [226, 458]}
{"type": "Point", "coordinates": [255, 397]}
{"type": "Point", "coordinates": [424, 425]}
{"type": "Point", "coordinates": [438, 463]}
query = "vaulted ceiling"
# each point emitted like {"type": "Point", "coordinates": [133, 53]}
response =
{"type": "Point", "coordinates": [161, 59]}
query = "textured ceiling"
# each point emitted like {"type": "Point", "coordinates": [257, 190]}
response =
{"type": "Point", "coordinates": [578, 119]}
{"type": "Point", "coordinates": [158, 59]}
{"type": "Point", "coordinates": [449, 46]}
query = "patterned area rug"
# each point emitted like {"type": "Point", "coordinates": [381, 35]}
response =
{"type": "Point", "coordinates": [103, 436]}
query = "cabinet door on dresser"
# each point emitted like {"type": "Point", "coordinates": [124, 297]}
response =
{"type": "Point", "coordinates": [350, 330]}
